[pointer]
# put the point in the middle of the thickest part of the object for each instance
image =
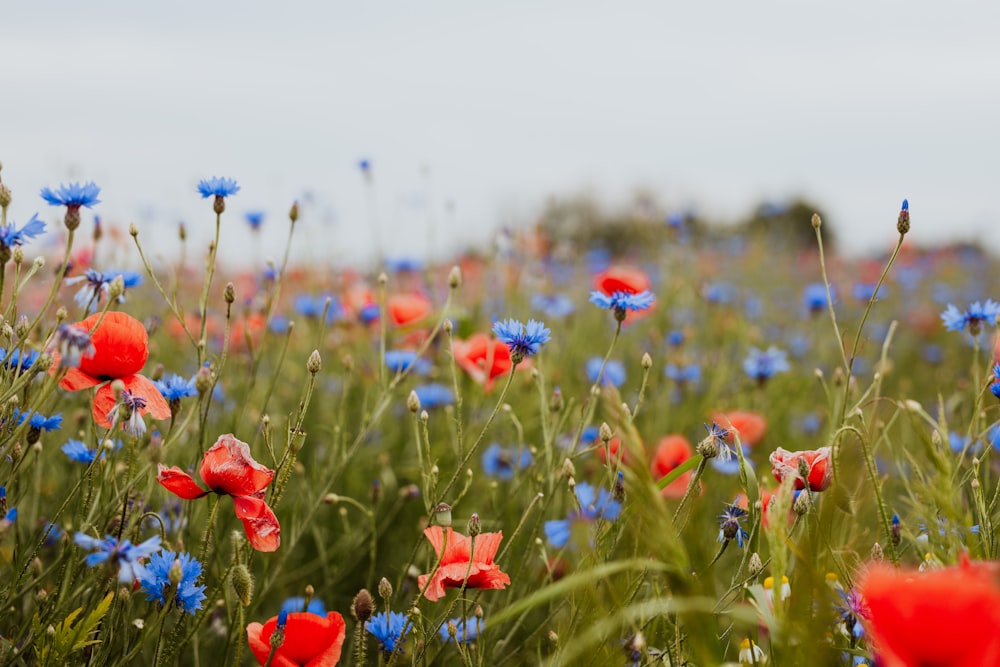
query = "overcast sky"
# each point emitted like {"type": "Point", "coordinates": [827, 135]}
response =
{"type": "Point", "coordinates": [496, 106]}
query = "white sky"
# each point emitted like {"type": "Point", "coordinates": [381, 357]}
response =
{"type": "Point", "coordinates": [854, 104]}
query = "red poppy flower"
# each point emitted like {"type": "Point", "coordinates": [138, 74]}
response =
{"type": "Point", "coordinates": [818, 461]}
{"type": "Point", "coordinates": [622, 279]}
{"type": "Point", "coordinates": [483, 572]}
{"type": "Point", "coordinates": [751, 426]}
{"type": "Point", "coordinates": [311, 640]}
{"type": "Point", "coordinates": [228, 469]}
{"type": "Point", "coordinates": [483, 358]}
{"type": "Point", "coordinates": [948, 617]}
{"type": "Point", "coordinates": [121, 348]}
{"type": "Point", "coordinates": [672, 451]}
{"type": "Point", "coordinates": [406, 309]}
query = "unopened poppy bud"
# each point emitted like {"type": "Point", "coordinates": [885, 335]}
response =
{"type": "Point", "coordinates": [243, 584]}
{"type": "Point", "coordinates": [413, 402]}
{"type": "Point", "coordinates": [556, 403]}
{"type": "Point", "coordinates": [877, 554]}
{"type": "Point", "coordinates": [802, 504]}
{"type": "Point", "coordinates": [442, 515]}
{"type": "Point", "coordinates": [424, 416]}
{"type": "Point", "coordinates": [903, 222]}
{"type": "Point", "coordinates": [315, 363]}
{"type": "Point", "coordinates": [817, 221]}
{"type": "Point", "coordinates": [293, 212]}
{"type": "Point", "coordinates": [755, 566]}
{"type": "Point", "coordinates": [455, 277]}
{"type": "Point", "coordinates": [647, 361]}
{"type": "Point", "coordinates": [605, 432]}
{"type": "Point", "coordinates": [230, 294]}
{"type": "Point", "coordinates": [362, 606]}
{"type": "Point", "coordinates": [475, 527]}
{"type": "Point", "coordinates": [384, 589]}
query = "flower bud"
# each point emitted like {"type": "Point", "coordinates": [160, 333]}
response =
{"type": "Point", "coordinates": [605, 432]}
{"type": "Point", "coordinates": [647, 361]}
{"type": "Point", "coordinates": [219, 205]}
{"type": "Point", "coordinates": [448, 326]}
{"type": "Point", "coordinates": [475, 527]}
{"type": "Point", "coordinates": [877, 554]}
{"type": "Point", "coordinates": [230, 294]}
{"type": "Point", "coordinates": [455, 277]}
{"type": "Point", "coordinates": [117, 287]}
{"type": "Point", "coordinates": [5, 196]}
{"type": "Point", "coordinates": [315, 363]}
{"type": "Point", "coordinates": [817, 221]}
{"type": "Point", "coordinates": [442, 515]}
{"type": "Point", "coordinates": [293, 212]}
{"type": "Point", "coordinates": [413, 402]}
{"type": "Point", "coordinates": [903, 222]}
{"type": "Point", "coordinates": [556, 403]}
{"type": "Point", "coordinates": [18, 254]}
{"type": "Point", "coordinates": [363, 605]}
{"type": "Point", "coordinates": [243, 584]}
{"type": "Point", "coordinates": [755, 566]}
{"type": "Point", "coordinates": [176, 572]}
{"type": "Point", "coordinates": [384, 589]}
{"type": "Point", "coordinates": [802, 503]}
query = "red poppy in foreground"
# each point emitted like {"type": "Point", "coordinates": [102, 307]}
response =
{"type": "Point", "coordinates": [622, 279]}
{"type": "Point", "coordinates": [751, 426]}
{"type": "Point", "coordinates": [121, 348]}
{"type": "Point", "coordinates": [785, 463]}
{"type": "Point", "coordinates": [310, 640]}
{"type": "Point", "coordinates": [947, 618]}
{"type": "Point", "coordinates": [458, 549]}
{"type": "Point", "coordinates": [228, 469]}
{"type": "Point", "coordinates": [672, 451]}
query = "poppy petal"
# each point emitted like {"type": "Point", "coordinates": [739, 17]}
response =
{"type": "Point", "coordinates": [121, 345]}
{"type": "Point", "coordinates": [259, 522]}
{"type": "Point", "coordinates": [310, 640]}
{"type": "Point", "coordinates": [179, 482]}
{"type": "Point", "coordinates": [104, 402]}
{"type": "Point", "coordinates": [229, 468]}
{"type": "Point", "coordinates": [75, 380]}
{"type": "Point", "coordinates": [143, 387]}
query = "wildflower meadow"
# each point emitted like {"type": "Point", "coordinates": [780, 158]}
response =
{"type": "Point", "coordinates": [665, 445]}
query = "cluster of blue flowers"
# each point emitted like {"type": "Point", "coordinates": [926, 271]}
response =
{"type": "Point", "coordinates": [593, 506]}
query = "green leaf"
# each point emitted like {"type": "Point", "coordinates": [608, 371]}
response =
{"type": "Point", "coordinates": [674, 474]}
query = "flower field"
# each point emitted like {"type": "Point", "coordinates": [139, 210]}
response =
{"type": "Point", "coordinates": [708, 449]}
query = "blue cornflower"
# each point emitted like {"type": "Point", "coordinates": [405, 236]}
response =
{"type": "Point", "coordinates": [97, 283]}
{"type": "Point", "coordinates": [614, 371]}
{"type": "Point", "coordinates": [74, 344]}
{"type": "Point", "coordinates": [10, 236]}
{"type": "Point", "coordinates": [175, 575]}
{"type": "Point", "coordinates": [974, 317]}
{"type": "Point", "coordinates": [851, 610]}
{"type": "Point", "coordinates": [365, 165]}
{"type": "Point", "coordinates": [716, 439]}
{"type": "Point", "coordinates": [73, 195]}
{"type": "Point", "coordinates": [814, 297]}
{"type": "Point", "coordinates": [9, 513]}
{"type": "Point", "coordinates": [218, 187]}
{"type": "Point", "coordinates": [298, 604]}
{"type": "Point", "coordinates": [683, 373]}
{"type": "Point", "coordinates": [404, 265]}
{"type": "Point", "coordinates": [387, 629]}
{"type": "Point", "coordinates": [593, 506]}
{"type": "Point", "coordinates": [254, 218]}
{"type": "Point", "coordinates": [503, 462]}
{"type": "Point", "coordinates": [622, 302]}
{"type": "Point", "coordinates": [313, 307]}
{"type": "Point", "coordinates": [864, 292]}
{"type": "Point", "coordinates": [995, 382]}
{"type": "Point", "coordinates": [675, 338]}
{"type": "Point", "coordinates": [761, 365]}
{"type": "Point", "coordinates": [78, 451]}
{"type": "Point", "coordinates": [124, 554]}
{"type": "Point", "coordinates": [729, 525]}
{"type": "Point", "coordinates": [398, 361]}
{"type": "Point", "coordinates": [174, 388]}
{"type": "Point", "coordinates": [466, 630]}
{"type": "Point", "coordinates": [434, 395]}
{"type": "Point", "coordinates": [38, 422]}
{"type": "Point", "coordinates": [17, 359]}
{"type": "Point", "coordinates": [522, 340]}
{"type": "Point", "coordinates": [553, 305]}
{"type": "Point", "coordinates": [718, 293]}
